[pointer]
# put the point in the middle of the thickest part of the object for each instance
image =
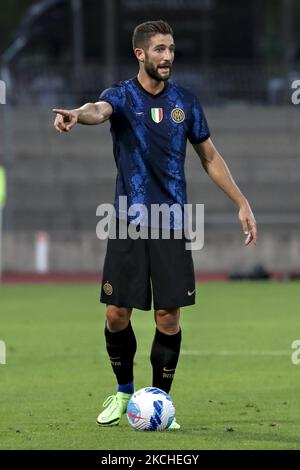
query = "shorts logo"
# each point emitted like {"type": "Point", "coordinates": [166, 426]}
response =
{"type": "Point", "coordinates": [177, 115]}
{"type": "Point", "coordinates": [157, 114]}
{"type": "Point", "coordinates": [108, 288]}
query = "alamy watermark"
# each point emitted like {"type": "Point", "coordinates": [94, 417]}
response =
{"type": "Point", "coordinates": [296, 94]}
{"type": "Point", "coordinates": [2, 352]}
{"type": "Point", "coordinates": [296, 354]}
{"type": "Point", "coordinates": [161, 221]}
{"type": "Point", "coordinates": [2, 92]}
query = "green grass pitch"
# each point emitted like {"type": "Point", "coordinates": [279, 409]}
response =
{"type": "Point", "coordinates": [235, 386]}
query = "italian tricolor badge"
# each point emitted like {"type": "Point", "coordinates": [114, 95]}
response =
{"type": "Point", "coordinates": [157, 114]}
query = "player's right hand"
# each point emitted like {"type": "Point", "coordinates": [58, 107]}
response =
{"type": "Point", "coordinates": [64, 120]}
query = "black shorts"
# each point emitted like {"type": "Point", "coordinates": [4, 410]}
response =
{"type": "Point", "coordinates": [136, 269]}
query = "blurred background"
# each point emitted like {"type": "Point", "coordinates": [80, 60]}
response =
{"type": "Point", "coordinates": [240, 58]}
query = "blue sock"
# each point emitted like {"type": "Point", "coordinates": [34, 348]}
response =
{"type": "Point", "coordinates": [127, 388]}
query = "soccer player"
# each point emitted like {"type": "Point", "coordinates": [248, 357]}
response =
{"type": "Point", "coordinates": [151, 121]}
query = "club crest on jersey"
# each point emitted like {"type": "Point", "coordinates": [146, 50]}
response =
{"type": "Point", "coordinates": [157, 114]}
{"type": "Point", "coordinates": [177, 115]}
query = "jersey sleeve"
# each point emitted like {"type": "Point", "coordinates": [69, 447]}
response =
{"type": "Point", "coordinates": [114, 96]}
{"type": "Point", "coordinates": [198, 131]}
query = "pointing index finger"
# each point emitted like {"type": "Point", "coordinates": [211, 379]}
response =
{"type": "Point", "coordinates": [64, 112]}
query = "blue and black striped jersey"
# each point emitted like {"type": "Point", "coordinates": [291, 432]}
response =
{"type": "Point", "coordinates": [149, 134]}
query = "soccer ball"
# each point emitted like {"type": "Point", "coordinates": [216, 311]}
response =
{"type": "Point", "coordinates": [150, 409]}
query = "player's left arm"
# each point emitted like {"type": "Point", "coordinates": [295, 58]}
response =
{"type": "Point", "coordinates": [218, 171]}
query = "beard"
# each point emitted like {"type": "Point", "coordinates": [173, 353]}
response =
{"type": "Point", "coordinates": [153, 71]}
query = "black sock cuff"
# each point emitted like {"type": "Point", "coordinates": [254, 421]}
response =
{"type": "Point", "coordinates": [172, 341]}
{"type": "Point", "coordinates": [119, 336]}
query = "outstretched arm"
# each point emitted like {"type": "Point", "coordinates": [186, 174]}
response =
{"type": "Point", "coordinates": [90, 114]}
{"type": "Point", "coordinates": [218, 171]}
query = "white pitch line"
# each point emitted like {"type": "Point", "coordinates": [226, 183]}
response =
{"type": "Point", "coordinates": [195, 353]}
{"type": "Point", "coordinates": [223, 353]}
{"type": "Point", "coordinates": [235, 353]}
